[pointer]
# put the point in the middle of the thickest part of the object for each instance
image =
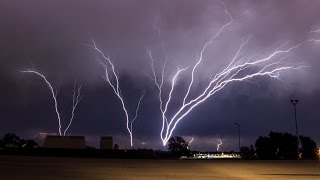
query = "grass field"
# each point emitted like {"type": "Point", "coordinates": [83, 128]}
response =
{"type": "Point", "coordinates": [50, 168]}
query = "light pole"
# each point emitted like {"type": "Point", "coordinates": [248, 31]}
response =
{"type": "Point", "coordinates": [294, 103]}
{"type": "Point", "coordinates": [237, 124]}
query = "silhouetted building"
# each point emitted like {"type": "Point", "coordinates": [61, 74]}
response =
{"type": "Point", "coordinates": [106, 142]}
{"type": "Point", "coordinates": [67, 142]}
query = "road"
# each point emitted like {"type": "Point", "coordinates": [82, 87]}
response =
{"type": "Point", "coordinates": [51, 168]}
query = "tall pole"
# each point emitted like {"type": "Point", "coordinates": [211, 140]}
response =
{"type": "Point", "coordinates": [237, 124]}
{"type": "Point", "coordinates": [294, 103]}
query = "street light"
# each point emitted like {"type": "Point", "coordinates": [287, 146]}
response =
{"type": "Point", "coordinates": [294, 103]}
{"type": "Point", "coordinates": [318, 154]}
{"type": "Point", "coordinates": [237, 124]}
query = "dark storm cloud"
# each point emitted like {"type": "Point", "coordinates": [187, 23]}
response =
{"type": "Point", "coordinates": [52, 36]}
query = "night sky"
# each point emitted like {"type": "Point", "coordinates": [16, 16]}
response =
{"type": "Point", "coordinates": [53, 37]}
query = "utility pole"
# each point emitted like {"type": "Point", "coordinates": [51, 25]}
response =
{"type": "Point", "coordinates": [237, 124]}
{"type": "Point", "coordinates": [294, 103]}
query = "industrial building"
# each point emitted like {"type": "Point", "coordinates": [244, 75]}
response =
{"type": "Point", "coordinates": [106, 142]}
{"type": "Point", "coordinates": [66, 142]}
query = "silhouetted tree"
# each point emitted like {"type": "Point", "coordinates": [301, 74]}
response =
{"type": "Point", "coordinates": [10, 140]}
{"type": "Point", "coordinates": [276, 146]}
{"type": "Point", "coordinates": [247, 152]}
{"type": "Point", "coordinates": [264, 148]}
{"type": "Point", "coordinates": [178, 146]}
{"type": "Point", "coordinates": [285, 145]}
{"type": "Point", "coordinates": [116, 146]}
{"type": "Point", "coordinates": [308, 148]}
{"type": "Point", "coordinates": [28, 144]}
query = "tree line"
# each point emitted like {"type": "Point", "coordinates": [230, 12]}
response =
{"type": "Point", "coordinates": [281, 146]}
{"type": "Point", "coordinates": [11, 140]}
{"type": "Point", "coordinates": [275, 146]}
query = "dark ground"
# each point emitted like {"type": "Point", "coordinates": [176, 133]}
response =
{"type": "Point", "coordinates": [50, 168]}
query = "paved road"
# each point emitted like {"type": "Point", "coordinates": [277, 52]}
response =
{"type": "Point", "coordinates": [51, 168]}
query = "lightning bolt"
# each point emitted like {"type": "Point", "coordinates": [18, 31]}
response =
{"type": "Point", "coordinates": [137, 110]}
{"type": "Point", "coordinates": [218, 145]}
{"type": "Point", "coordinates": [54, 93]}
{"type": "Point", "coordinates": [75, 101]}
{"type": "Point", "coordinates": [115, 85]}
{"type": "Point", "coordinates": [239, 69]}
{"type": "Point", "coordinates": [190, 142]}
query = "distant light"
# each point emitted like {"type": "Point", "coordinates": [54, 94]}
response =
{"type": "Point", "coordinates": [217, 156]}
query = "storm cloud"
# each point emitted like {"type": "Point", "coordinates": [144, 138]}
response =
{"type": "Point", "coordinates": [53, 37]}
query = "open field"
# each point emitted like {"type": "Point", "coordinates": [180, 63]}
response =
{"type": "Point", "coordinates": [50, 168]}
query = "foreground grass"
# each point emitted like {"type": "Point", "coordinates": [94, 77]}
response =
{"type": "Point", "coordinates": [49, 168]}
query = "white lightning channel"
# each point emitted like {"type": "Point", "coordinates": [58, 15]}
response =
{"type": "Point", "coordinates": [109, 77]}
{"type": "Point", "coordinates": [76, 98]}
{"type": "Point", "coordinates": [236, 71]}
{"type": "Point", "coordinates": [214, 37]}
{"type": "Point", "coordinates": [181, 114]}
{"type": "Point", "coordinates": [219, 144]}
{"type": "Point", "coordinates": [54, 94]}
{"type": "Point", "coordinates": [137, 109]}
{"type": "Point", "coordinates": [189, 143]}
{"type": "Point", "coordinates": [159, 85]}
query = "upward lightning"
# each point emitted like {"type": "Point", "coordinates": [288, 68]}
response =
{"type": "Point", "coordinates": [113, 80]}
{"type": "Point", "coordinates": [75, 101]}
{"type": "Point", "coordinates": [54, 93]}
{"type": "Point", "coordinates": [137, 110]}
{"type": "Point", "coordinates": [239, 69]}
{"type": "Point", "coordinates": [189, 143]}
{"type": "Point", "coordinates": [219, 144]}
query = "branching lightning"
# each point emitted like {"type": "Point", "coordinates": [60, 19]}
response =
{"type": "Point", "coordinates": [137, 110]}
{"type": "Point", "coordinates": [113, 80]}
{"type": "Point", "coordinates": [54, 92]}
{"type": "Point", "coordinates": [75, 101]}
{"type": "Point", "coordinates": [239, 69]}
{"type": "Point", "coordinates": [219, 144]}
